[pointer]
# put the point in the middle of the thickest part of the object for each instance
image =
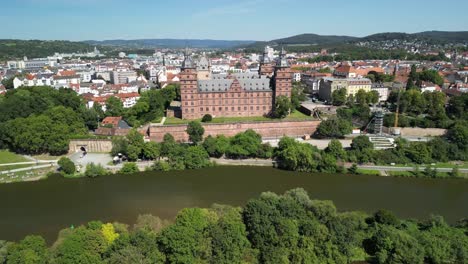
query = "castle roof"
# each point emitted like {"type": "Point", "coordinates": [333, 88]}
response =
{"type": "Point", "coordinates": [222, 83]}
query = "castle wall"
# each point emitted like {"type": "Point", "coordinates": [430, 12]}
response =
{"type": "Point", "coordinates": [265, 129]}
{"type": "Point", "coordinates": [91, 145]}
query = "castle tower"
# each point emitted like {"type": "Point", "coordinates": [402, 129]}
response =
{"type": "Point", "coordinates": [204, 68]}
{"type": "Point", "coordinates": [266, 66]}
{"type": "Point", "coordinates": [282, 78]}
{"type": "Point", "coordinates": [189, 87]}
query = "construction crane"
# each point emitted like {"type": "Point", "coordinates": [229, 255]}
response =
{"type": "Point", "coordinates": [396, 131]}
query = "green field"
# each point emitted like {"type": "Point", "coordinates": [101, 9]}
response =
{"type": "Point", "coordinates": [368, 172]}
{"type": "Point", "coordinates": [295, 116]}
{"type": "Point", "coordinates": [10, 157]}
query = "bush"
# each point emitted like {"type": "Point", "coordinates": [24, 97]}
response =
{"type": "Point", "coordinates": [67, 166]}
{"type": "Point", "coordinates": [129, 168]}
{"type": "Point", "coordinates": [95, 170]}
{"type": "Point", "coordinates": [207, 118]}
{"type": "Point", "coordinates": [161, 165]}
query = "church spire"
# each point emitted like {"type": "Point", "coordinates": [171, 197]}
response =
{"type": "Point", "coordinates": [188, 62]}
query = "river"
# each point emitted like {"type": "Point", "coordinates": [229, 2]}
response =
{"type": "Point", "coordinates": [45, 207]}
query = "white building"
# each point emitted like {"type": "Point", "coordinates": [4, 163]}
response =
{"type": "Point", "coordinates": [119, 77]}
{"type": "Point", "coordinates": [383, 91]}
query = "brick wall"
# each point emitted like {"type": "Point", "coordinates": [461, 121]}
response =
{"type": "Point", "coordinates": [265, 129]}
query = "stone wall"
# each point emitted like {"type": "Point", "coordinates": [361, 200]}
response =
{"type": "Point", "coordinates": [91, 145]}
{"type": "Point", "coordinates": [265, 129]}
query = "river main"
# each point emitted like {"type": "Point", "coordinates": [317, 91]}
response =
{"type": "Point", "coordinates": [45, 207]}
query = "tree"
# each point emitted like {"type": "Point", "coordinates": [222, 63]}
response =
{"type": "Point", "coordinates": [81, 245]}
{"type": "Point", "coordinates": [8, 83]}
{"type": "Point", "coordinates": [228, 236]}
{"type": "Point", "coordinates": [361, 97]}
{"type": "Point", "coordinates": [216, 146]}
{"type": "Point", "coordinates": [334, 128]}
{"type": "Point", "coordinates": [151, 150]}
{"type": "Point", "coordinates": [292, 155]}
{"type": "Point", "coordinates": [119, 145]}
{"type": "Point", "coordinates": [282, 107]}
{"type": "Point", "coordinates": [136, 144]}
{"type": "Point", "coordinates": [297, 96]}
{"type": "Point", "coordinates": [390, 245]}
{"type": "Point", "coordinates": [244, 145]}
{"type": "Point", "coordinates": [186, 240]}
{"type": "Point", "coordinates": [150, 223]}
{"type": "Point", "coordinates": [168, 145]}
{"type": "Point", "coordinates": [129, 168]}
{"type": "Point", "coordinates": [335, 148]}
{"type": "Point", "coordinates": [114, 107]}
{"type": "Point", "coordinates": [373, 97]}
{"type": "Point", "coordinates": [339, 97]}
{"type": "Point", "coordinates": [196, 157]}
{"type": "Point", "coordinates": [67, 166]}
{"type": "Point", "coordinates": [361, 143]}
{"type": "Point", "coordinates": [30, 250]}
{"type": "Point", "coordinates": [195, 131]}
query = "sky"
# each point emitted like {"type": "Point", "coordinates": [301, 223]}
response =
{"type": "Point", "coordinates": [223, 19]}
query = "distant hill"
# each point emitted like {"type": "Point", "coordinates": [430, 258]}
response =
{"type": "Point", "coordinates": [171, 43]}
{"type": "Point", "coordinates": [16, 49]}
{"type": "Point", "coordinates": [429, 36]}
{"type": "Point", "coordinates": [302, 39]}
{"type": "Point", "coordinates": [314, 39]}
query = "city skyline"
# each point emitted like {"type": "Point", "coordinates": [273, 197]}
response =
{"type": "Point", "coordinates": [220, 20]}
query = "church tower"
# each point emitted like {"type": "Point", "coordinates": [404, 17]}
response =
{"type": "Point", "coordinates": [282, 78]}
{"type": "Point", "coordinates": [204, 68]}
{"type": "Point", "coordinates": [188, 87]}
{"type": "Point", "coordinates": [266, 66]}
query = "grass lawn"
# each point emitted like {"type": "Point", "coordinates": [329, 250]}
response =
{"type": "Point", "coordinates": [47, 157]}
{"type": "Point", "coordinates": [12, 167]}
{"type": "Point", "coordinates": [295, 116]}
{"type": "Point", "coordinates": [400, 173]}
{"type": "Point", "coordinates": [368, 172]}
{"type": "Point", "coordinates": [10, 157]}
{"type": "Point", "coordinates": [25, 175]}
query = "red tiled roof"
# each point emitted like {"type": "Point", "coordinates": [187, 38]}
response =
{"type": "Point", "coordinates": [114, 120]}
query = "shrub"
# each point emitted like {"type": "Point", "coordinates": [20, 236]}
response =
{"type": "Point", "coordinates": [207, 118]}
{"type": "Point", "coordinates": [67, 166]}
{"type": "Point", "coordinates": [95, 170]}
{"type": "Point", "coordinates": [129, 168]}
{"type": "Point", "coordinates": [161, 165]}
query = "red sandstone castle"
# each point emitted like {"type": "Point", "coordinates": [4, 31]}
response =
{"type": "Point", "coordinates": [236, 94]}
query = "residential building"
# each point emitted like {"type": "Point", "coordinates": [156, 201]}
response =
{"type": "Point", "coordinates": [352, 86]}
{"type": "Point", "coordinates": [119, 77]}
{"type": "Point", "coordinates": [382, 90]}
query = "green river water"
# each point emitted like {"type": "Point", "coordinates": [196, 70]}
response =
{"type": "Point", "coordinates": [45, 207]}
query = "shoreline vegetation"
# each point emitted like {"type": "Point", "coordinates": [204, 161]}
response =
{"type": "Point", "coordinates": [272, 228]}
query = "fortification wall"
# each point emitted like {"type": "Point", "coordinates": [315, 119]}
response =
{"type": "Point", "coordinates": [265, 129]}
{"type": "Point", "coordinates": [91, 145]}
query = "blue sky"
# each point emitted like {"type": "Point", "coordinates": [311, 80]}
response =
{"type": "Point", "coordinates": [223, 19]}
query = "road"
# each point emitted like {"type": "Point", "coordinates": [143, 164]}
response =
{"type": "Point", "coordinates": [393, 168]}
